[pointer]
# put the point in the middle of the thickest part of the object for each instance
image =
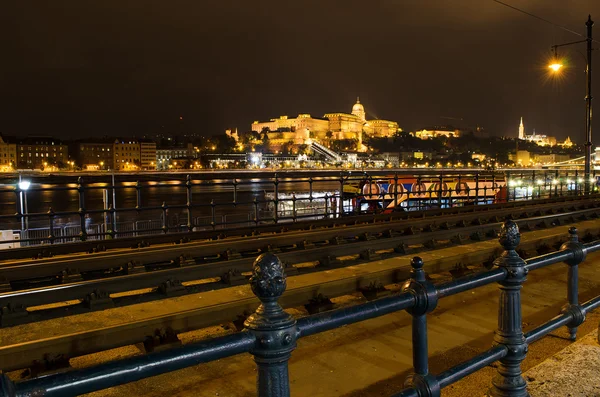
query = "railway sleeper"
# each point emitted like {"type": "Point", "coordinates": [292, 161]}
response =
{"type": "Point", "coordinates": [231, 254]}
{"type": "Point", "coordinates": [319, 304]}
{"type": "Point", "coordinates": [304, 245]}
{"type": "Point", "coordinates": [527, 227]}
{"type": "Point", "coordinates": [370, 255]}
{"type": "Point", "coordinates": [233, 277]}
{"type": "Point", "coordinates": [478, 236]}
{"type": "Point", "coordinates": [374, 290]}
{"type": "Point", "coordinates": [172, 288]}
{"type": "Point", "coordinates": [271, 248]}
{"type": "Point", "coordinates": [459, 239]}
{"type": "Point", "coordinates": [401, 248]}
{"type": "Point", "coordinates": [49, 364]}
{"type": "Point", "coordinates": [430, 244]}
{"type": "Point", "coordinates": [161, 340]}
{"type": "Point", "coordinates": [98, 300]}
{"type": "Point", "coordinates": [290, 270]}
{"type": "Point", "coordinates": [390, 233]}
{"type": "Point", "coordinates": [367, 237]}
{"type": "Point", "coordinates": [330, 261]}
{"type": "Point", "coordinates": [461, 269]}
{"type": "Point", "coordinates": [12, 314]}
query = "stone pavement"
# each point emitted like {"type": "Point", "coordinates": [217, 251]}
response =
{"type": "Point", "coordinates": [572, 372]}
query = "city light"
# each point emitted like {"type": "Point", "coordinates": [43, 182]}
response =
{"type": "Point", "coordinates": [555, 66]}
{"type": "Point", "coordinates": [24, 185]}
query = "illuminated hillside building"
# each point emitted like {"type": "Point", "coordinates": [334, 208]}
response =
{"type": "Point", "coordinates": [330, 126]}
{"type": "Point", "coordinates": [542, 140]}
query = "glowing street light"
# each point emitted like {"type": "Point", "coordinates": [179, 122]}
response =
{"type": "Point", "coordinates": [24, 185]}
{"type": "Point", "coordinates": [556, 66]}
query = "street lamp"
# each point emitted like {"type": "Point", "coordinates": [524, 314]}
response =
{"type": "Point", "coordinates": [556, 67]}
{"type": "Point", "coordinates": [23, 186]}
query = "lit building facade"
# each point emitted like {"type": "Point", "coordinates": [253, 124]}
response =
{"type": "Point", "coordinates": [331, 126]}
{"type": "Point", "coordinates": [538, 139]}
{"type": "Point", "coordinates": [147, 155]}
{"type": "Point", "coordinates": [8, 155]}
{"type": "Point", "coordinates": [166, 156]}
{"type": "Point", "coordinates": [39, 152]}
{"type": "Point", "coordinates": [95, 155]}
{"type": "Point", "coordinates": [127, 155]}
{"type": "Point", "coordinates": [434, 133]}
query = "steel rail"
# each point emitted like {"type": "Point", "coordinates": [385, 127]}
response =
{"type": "Point", "coordinates": [58, 266]}
{"type": "Point", "coordinates": [42, 251]}
{"type": "Point", "coordinates": [95, 294]}
{"type": "Point", "coordinates": [170, 280]}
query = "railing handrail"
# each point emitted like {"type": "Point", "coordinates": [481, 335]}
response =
{"type": "Point", "coordinates": [445, 190]}
{"type": "Point", "coordinates": [271, 334]}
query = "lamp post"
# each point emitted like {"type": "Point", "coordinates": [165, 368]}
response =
{"type": "Point", "coordinates": [556, 66]}
{"type": "Point", "coordinates": [23, 186]}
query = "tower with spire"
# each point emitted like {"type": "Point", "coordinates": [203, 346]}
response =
{"type": "Point", "coordinates": [521, 130]}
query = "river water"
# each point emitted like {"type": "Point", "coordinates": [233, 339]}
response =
{"type": "Point", "coordinates": [219, 196]}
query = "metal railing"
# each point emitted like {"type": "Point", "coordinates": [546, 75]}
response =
{"type": "Point", "coordinates": [271, 334]}
{"type": "Point", "coordinates": [200, 202]}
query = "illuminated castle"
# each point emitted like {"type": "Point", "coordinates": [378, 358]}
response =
{"type": "Point", "coordinates": [330, 126]}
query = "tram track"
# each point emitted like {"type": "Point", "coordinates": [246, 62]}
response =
{"type": "Point", "coordinates": [237, 302]}
{"type": "Point", "coordinates": [264, 227]}
{"type": "Point", "coordinates": [161, 272]}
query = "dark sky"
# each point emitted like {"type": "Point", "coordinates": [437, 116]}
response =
{"type": "Point", "coordinates": [89, 68]}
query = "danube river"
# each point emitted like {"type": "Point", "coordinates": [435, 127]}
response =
{"type": "Point", "coordinates": [228, 201]}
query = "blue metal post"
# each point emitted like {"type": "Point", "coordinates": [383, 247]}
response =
{"type": "Point", "coordinates": [579, 254]}
{"type": "Point", "coordinates": [188, 204]}
{"type": "Point", "coordinates": [509, 381]}
{"type": "Point", "coordinates": [426, 300]}
{"type": "Point", "coordinates": [82, 212]}
{"type": "Point", "coordinates": [274, 329]}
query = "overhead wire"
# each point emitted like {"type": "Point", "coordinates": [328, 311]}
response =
{"type": "Point", "coordinates": [542, 19]}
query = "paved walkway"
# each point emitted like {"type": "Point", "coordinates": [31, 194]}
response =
{"type": "Point", "coordinates": [572, 372]}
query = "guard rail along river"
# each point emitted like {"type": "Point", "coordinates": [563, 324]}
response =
{"type": "Point", "coordinates": [51, 209]}
{"type": "Point", "coordinates": [271, 334]}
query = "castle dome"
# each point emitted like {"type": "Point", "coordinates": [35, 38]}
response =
{"type": "Point", "coordinates": [358, 109]}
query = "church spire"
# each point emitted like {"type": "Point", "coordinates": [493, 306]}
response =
{"type": "Point", "coordinates": [521, 130]}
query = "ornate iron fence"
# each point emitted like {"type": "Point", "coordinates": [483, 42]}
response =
{"type": "Point", "coordinates": [198, 202]}
{"type": "Point", "coordinates": [271, 334]}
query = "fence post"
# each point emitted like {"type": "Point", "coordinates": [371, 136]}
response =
{"type": "Point", "coordinates": [188, 204]}
{"type": "Point", "coordinates": [275, 330]}
{"type": "Point", "coordinates": [82, 211]}
{"type": "Point", "coordinates": [509, 381]}
{"type": "Point", "coordinates": [425, 301]}
{"type": "Point", "coordinates": [579, 254]}
{"type": "Point", "coordinates": [51, 225]}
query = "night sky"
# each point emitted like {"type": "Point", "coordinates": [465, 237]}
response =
{"type": "Point", "coordinates": [93, 68]}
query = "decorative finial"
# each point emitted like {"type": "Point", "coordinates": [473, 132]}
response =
{"type": "Point", "coordinates": [417, 263]}
{"type": "Point", "coordinates": [357, 99]}
{"type": "Point", "coordinates": [509, 237]}
{"type": "Point", "coordinates": [268, 279]}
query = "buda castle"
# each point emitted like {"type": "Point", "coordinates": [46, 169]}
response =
{"type": "Point", "coordinates": [331, 126]}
